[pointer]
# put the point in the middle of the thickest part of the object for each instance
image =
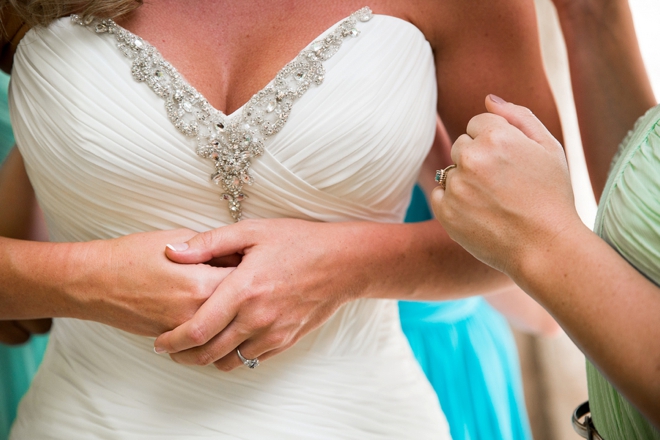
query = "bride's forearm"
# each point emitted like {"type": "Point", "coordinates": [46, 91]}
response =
{"type": "Point", "coordinates": [125, 282]}
{"type": "Point", "coordinates": [36, 278]}
{"type": "Point", "coordinates": [420, 262]}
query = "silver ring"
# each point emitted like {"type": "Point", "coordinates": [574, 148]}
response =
{"type": "Point", "coordinates": [441, 176]}
{"type": "Point", "coordinates": [250, 363]}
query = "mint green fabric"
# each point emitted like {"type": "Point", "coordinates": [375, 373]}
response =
{"type": "Point", "coordinates": [629, 220]}
{"type": "Point", "coordinates": [17, 364]}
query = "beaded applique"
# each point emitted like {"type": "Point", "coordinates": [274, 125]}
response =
{"type": "Point", "coordinates": [230, 142]}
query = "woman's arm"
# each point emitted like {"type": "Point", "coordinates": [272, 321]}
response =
{"type": "Point", "coordinates": [610, 84]}
{"type": "Point", "coordinates": [509, 202]}
{"type": "Point", "coordinates": [295, 274]}
{"type": "Point", "coordinates": [126, 282]}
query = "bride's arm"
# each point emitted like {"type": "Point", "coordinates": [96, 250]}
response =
{"type": "Point", "coordinates": [295, 274]}
{"type": "Point", "coordinates": [482, 48]}
{"type": "Point", "coordinates": [127, 282]}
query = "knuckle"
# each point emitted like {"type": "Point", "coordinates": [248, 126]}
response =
{"type": "Point", "coordinates": [204, 358]}
{"type": "Point", "coordinates": [200, 291]}
{"type": "Point", "coordinates": [249, 224]}
{"type": "Point", "coordinates": [492, 136]}
{"type": "Point", "coordinates": [263, 320]}
{"type": "Point", "coordinates": [276, 339]}
{"type": "Point", "coordinates": [196, 333]}
{"type": "Point", "coordinates": [474, 121]}
{"type": "Point", "coordinates": [469, 162]}
{"type": "Point", "coordinates": [526, 112]}
{"type": "Point", "coordinates": [207, 239]}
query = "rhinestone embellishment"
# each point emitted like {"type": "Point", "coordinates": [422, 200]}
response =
{"type": "Point", "coordinates": [230, 142]}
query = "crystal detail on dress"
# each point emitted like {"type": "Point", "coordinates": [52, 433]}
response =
{"type": "Point", "coordinates": [230, 142]}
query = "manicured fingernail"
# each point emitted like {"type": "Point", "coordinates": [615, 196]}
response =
{"type": "Point", "coordinates": [496, 99]}
{"type": "Point", "coordinates": [158, 350]}
{"type": "Point", "coordinates": [178, 247]}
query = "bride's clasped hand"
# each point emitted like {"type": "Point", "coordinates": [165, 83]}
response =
{"type": "Point", "coordinates": [280, 290]}
{"type": "Point", "coordinates": [278, 293]}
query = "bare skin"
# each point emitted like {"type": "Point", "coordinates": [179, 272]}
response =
{"type": "Point", "coordinates": [21, 219]}
{"type": "Point", "coordinates": [605, 305]}
{"type": "Point", "coordinates": [282, 289]}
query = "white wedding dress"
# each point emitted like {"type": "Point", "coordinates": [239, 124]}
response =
{"type": "Point", "coordinates": [106, 160]}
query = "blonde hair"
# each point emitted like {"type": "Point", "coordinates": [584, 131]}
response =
{"type": "Point", "coordinates": [42, 12]}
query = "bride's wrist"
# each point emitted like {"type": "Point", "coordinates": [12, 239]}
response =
{"type": "Point", "coordinates": [70, 274]}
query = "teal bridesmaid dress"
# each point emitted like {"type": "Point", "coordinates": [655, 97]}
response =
{"type": "Point", "coordinates": [467, 351]}
{"type": "Point", "coordinates": [17, 364]}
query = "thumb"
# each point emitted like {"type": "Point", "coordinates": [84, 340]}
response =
{"type": "Point", "coordinates": [205, 246]}
{"type": "Point", "coordinates": [524, 120]}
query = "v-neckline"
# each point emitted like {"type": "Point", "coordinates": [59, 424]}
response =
{"type": "Point", "coordinates": [230, 141]}
{"type": "Point", "coordinates": [231, 115]}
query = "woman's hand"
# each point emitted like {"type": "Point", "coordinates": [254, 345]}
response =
{"type": "Point", "coordinates": [19, 332]}
{"type": "Point", "coordinates": [138, 289]}
{"type": "Point", "coordinates": [293, 276]}
{"type": "Point", "coordinates": [126, 282]}
{"type": "Point", "coordinates": [511, 189]}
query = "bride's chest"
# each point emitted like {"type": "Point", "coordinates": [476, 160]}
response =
{"type": "Point", "coordinates": [346, 137]}
{"type": "Point", "coordinates": [229, 50]}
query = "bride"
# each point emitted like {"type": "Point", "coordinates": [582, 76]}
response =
{"type": "Point", "coordinates": [139, 127]}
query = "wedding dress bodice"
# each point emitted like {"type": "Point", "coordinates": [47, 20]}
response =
{"type": "Point", "coordinates": [106, 160]}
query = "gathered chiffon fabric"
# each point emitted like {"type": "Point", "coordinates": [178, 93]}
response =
{"type": "Point", "coordinates": [106, 161]}
{"type": "Point", "coordinates": [628, 219]}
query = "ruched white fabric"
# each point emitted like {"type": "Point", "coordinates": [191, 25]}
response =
{"type": "Point", "coordinates": [105, 161]}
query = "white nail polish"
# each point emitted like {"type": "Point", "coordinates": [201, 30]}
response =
{"type": "Point", "coordinates": [177, 247]}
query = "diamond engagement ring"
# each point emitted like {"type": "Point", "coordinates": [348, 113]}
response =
{"type": "Point", "coordinates": [441, 176]}
{"type": "Point", "coordinates": [250, 363]}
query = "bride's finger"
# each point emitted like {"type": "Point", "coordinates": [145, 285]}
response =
{"type": "Point", "coordinates": [232, 361]}
{"type": "Point", "coordinates": [260, 347]}
{"type": "Point", "coordinates": [215, 243]}
{"type": "Point", "coordinates": [209, 320]}
{"type": "Point", "coordinates": [264, 345]}
{"type": "Point", "coordinates": [220, 346]}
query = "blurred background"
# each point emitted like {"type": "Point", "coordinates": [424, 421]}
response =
{"type": "Point", "coordinates": [553, 369]}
